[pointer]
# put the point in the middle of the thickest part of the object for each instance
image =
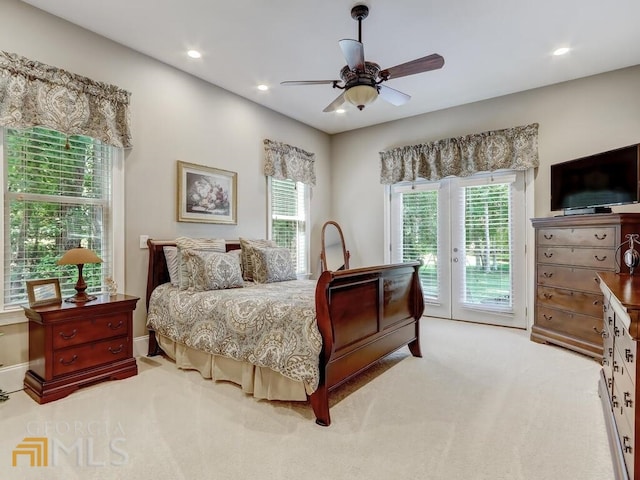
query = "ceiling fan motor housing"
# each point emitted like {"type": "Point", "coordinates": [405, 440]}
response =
{"type": "Point", "coordinates": [368, 76]}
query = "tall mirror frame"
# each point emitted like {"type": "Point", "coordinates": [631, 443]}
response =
{"type": "Point", "coordinates": [324, 254]}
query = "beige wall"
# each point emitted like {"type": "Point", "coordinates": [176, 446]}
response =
{"type": "Point", "coordinates": [576, 118]}
{"type": "Point", "coordinates": [175, 116]}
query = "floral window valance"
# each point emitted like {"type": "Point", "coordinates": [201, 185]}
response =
{"type": "Point", "coordinates": [34, 94]}
{"type": "Point", "coordinates": [512, 148]}
{"type": "Point", "coordinates": [285, 162]}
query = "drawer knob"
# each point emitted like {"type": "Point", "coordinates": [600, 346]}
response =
{"type": "Point", "coordinates": [115, 327]}
{"type": "Point", "coordinates": [548, 318]}
{"type": "Point", "coordinates": [628, 355]}
{"type": "Point", "coordinates": [68, 362]}
{"type": "Point", "coordinates": [600, 237]}
{"type": "Point", "coordinates": [604, 257]}
{"type": "Point", "coordinates": [548, 236]}
{"type": "Point", "coordinates": [626, 444]}
{"type": "Point", "coordinates": [548, 254]}
{"type": "Point", "coordinates": [116, 351]}
{"type": "Point", "coordinates": [69, 336]}
{"type": "Point", "coordinates": [627, 400]}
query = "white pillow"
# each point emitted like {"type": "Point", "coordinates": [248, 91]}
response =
{"type": "Point", "coordinates": [272, 265]}
{"type": "Point", "coordinates": [209, 270]}
{"type": "Point", "coordinates": [171, 257]}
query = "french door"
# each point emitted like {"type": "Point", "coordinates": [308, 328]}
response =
{"type": "Point", "coordinates": [470, 235]}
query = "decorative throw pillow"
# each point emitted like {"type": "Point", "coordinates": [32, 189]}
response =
{"type": "Point", "coordinates": [208, 244]}
{"type": "Point", "coordinates": [209, 270]}
{"type": "Point", "coordinates": [247, 247]}
{"type": "Point", "coordinates": [171, 257]}
{"type": "Point", "coordinates": [272, 265]}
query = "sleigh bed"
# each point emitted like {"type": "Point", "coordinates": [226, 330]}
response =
{"type": "Point", "coordinates": [344, 323]}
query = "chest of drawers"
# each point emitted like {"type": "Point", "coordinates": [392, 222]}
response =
{"type": "Point", "coordinates": [76, 344]}
{"type": "Point", "coordinates": [569, 251]}
{"type": "Point", "coordinates": [618, 387]}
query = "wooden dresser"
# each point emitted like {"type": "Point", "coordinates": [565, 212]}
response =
{"type": "Point", "coordinates": [618, 386]}
{"type": "Point", "coordinates": [76, 344]}
{"type": "Point", "coordinates": [570, 250]}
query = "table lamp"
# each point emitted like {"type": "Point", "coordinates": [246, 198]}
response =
{"type": "Point", "coordinates": [79, 256]}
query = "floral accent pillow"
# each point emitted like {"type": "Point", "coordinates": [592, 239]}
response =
{"type": "Point", "coordinates": [209, 270]}
{"type": "Point", "coordinates": [272, 265]}
{"type": "Point", "coordinates": [247, 247]}
{"type": "Point", "coordinates": [183, 243]}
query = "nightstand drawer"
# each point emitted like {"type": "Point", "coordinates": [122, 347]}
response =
{"type": "Point", "coordinates": [86, 356]}
{"type": "Point", "coordinates": [82, 331]}
{"type": "Point", "coordinates": [588, 237]}
{"type": "Point", "coordinates": [585, 303]}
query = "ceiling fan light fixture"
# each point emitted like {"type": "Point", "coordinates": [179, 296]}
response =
{"type": "Point", "coordinates": [361, 95]}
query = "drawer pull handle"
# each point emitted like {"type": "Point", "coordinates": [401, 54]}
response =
{"type": "Point", "coordinates": [599, 332]}
{"type": "Point", "coordinates": [547, 274]}
{"type": "Point", "coordinates": [547, 295]}
{"type": "Point", "coordinates": [610, 319]}
{"type": "Point", "coordinates": [614, 400]}
{"type": "Point", "coordinates": [627, 400]}
{"type": "Point", "coordinates": [628, 355]}
{"type": "Point", "coordinates": [70, 336]}
{"type": "Point", "coordinates": [548, 254]}
{"type": "Point", "coordinates": [595, 302]}
{"type": "Point", "coordinates": [609, 382]}
{"type": "Point", "coordinates": [116, 327]}
{"type": "Point", "coordinates": [627, 447]}
{"type": "Point", "coordinates": [73, 359]}
{"type": "Point", "coordinates": [548, 318]}
{"type": "Point", "coordinates": [116, 351]}
{"type": "Point", "coordinates": [600, 237]}
{"type": "Point", "coordinates": [616, 331]}
{"type": "Point", "coordinates": [600, 259]}
{"type": "Point", "coordinates": [605, 362]}
{"type": "Point", "coordinates": [548, 236]}
{"type": "Point", "coordinates": [597, 280]}
{"type": "Point", "coordinates": [605, 334]}
{"type": "Point", "coordinates": [616, 367]}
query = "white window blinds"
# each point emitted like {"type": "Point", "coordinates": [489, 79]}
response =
{"type": "Point", "coordinates": [289, 219]}
{"type": "Point", "coordinates": [57, 196]}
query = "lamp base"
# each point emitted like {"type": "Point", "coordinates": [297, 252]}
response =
{"type": "Point", "coordinates": [80, 298]}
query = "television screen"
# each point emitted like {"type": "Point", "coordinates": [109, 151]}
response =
{"type": "Point", "coordinates": [601, 180]}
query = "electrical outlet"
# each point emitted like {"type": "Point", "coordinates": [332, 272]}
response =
{"type": "Point", "coordinates": [143, 241]}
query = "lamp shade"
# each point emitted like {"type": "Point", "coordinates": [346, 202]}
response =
{"type": "Point", "coordinates": [361, 95]}
{"type": "Point", "coordinates": [79, 256]}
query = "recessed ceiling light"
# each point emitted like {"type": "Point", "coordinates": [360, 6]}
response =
{"type": "Point", "coordinates": [561, 51]}
{"type": "Point", "coordinates": [263, 87]}
{"type": "Point", "coordinates": [340, 110]}
{"type": "Point", "coordinates": [194, 54]}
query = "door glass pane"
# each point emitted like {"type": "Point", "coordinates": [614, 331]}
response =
{"type": "Point", "coordinates": [420, 237]}
{"type": "Point", "coordinates": [488, 252]}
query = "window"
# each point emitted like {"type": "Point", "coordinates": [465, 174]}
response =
{"type": "Point", "coordinates": [288, 219]}
{"type": "Point", "coordinates": [58, 194]}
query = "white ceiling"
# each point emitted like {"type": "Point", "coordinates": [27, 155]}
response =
{"type": "Point", "coordinates": [491, 47]}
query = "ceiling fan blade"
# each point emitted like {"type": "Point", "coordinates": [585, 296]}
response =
{"type": "Point", "coordinates": [337, 103]}
{"type": "Point", "coordinates": [353, 52]}
{"type": "Point", "coordinates": [308, 82]}
{"type": "Point", "coordinates": [419, 65]}
{"type": "Point", "coordinates": [393, 96]}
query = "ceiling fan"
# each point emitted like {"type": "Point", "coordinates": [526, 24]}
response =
{"type": "Point", "coordinates": [362, 81]}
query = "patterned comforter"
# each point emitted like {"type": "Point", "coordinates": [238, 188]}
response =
{"type": "Point", "coordinates": [269, 325]}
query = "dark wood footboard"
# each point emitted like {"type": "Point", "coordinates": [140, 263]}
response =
{"type": "Point", "coordinates": [363, 315]}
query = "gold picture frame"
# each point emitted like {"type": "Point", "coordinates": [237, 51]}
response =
{"type": "Point", "coordinates": [206, 194]}
{"type": "Point", "coordinates": [43, 292]}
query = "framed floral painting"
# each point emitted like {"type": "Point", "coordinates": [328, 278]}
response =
{"type": "Point", "coordinates": [206, 194]}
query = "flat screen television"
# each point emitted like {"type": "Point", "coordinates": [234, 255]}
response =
{"type": "Point", "coordinates": [593, 184]}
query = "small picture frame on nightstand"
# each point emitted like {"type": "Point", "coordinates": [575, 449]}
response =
{"type": "Point", "coordinates": [43, 292]}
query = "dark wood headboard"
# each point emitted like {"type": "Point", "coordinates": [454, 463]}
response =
{"type": "Point", "coordinates": [158, 272]}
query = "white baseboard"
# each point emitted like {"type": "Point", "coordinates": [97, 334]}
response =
{"type": "Point", "coordinates": [12, 377]}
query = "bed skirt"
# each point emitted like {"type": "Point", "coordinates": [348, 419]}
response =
{"type": "Point", "coordinates": [261, 382]}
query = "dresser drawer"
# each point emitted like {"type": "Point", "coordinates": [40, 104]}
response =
{"type": "Point", "coordinates": [573, 324]}
{"type": "Point", "coordinates": [587, 237]}
{"type": "Point", "coordinates": [82, 357]}
{"type": "Point", "coordinates": [601, 259]}
{"type": "Point", "coordinates": [83, 331]}
{"type": "Point", "coordinates": [577, 302]}
{"type": "Point", "coordinates": [568, 277]}
{"type": "Point", "coordinates": [626, 349]}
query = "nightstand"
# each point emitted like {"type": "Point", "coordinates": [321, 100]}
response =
{"type": "Point", "coordinates": [72, 345]}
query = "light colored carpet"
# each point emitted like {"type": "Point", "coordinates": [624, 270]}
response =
{"type": "Point", "coordinates": [483, 403]}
